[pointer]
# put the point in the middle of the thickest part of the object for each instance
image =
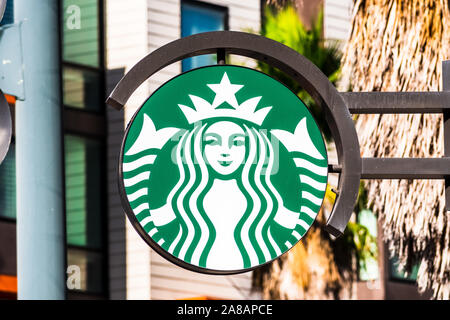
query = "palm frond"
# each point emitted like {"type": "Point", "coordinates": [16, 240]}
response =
{"type": "Point", "coordinates": [399, 46]}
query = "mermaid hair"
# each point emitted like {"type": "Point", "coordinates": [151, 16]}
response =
{"type": "Point", "coordinates": [196, 234]}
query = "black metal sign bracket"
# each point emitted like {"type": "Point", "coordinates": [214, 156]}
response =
{"type": "Point", "coordinates": [337, 108]}
{"type": "Point", "coordinates": [407, 103]}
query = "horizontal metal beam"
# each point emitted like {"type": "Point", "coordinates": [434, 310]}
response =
{"type": "Point", "coordinates": [446, 87]}
{"type": "Point", "coordinates": [405, 168]}
{"type": "Point", "coordinates": [396, 102]}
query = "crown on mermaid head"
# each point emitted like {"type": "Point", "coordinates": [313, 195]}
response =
{"type": "Point", "coordinates": [225, 92]}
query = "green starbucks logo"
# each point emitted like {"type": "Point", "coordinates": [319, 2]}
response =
{"type": "Point", "coordinates": [223, 169]}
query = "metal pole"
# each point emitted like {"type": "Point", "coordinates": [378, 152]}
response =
{"type": "Point", "coordinates": [40, 211]}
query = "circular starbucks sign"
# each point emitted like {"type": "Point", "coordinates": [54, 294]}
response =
{"type": "Point", "coordinates": [222, 169]}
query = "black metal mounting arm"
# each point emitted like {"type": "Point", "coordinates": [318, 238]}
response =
{"type": "Point", "coordinates": [290, 62]}
{"type": "Point", "coordinates": [407, 103]}
{"type": "Point", "coordinates": [336, 106]}
{"type": "Point", "coordinates": [397, 102]}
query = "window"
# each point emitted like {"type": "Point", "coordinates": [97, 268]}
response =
{"type": "Point", "coordinates": [368, 265]}
{"type": "Point", "coordinates": [83, 191]}
{"type": "Point", "coordinates": [8, 184]}
{"type": "Point", "coordinates": [91, 269]}
{"type": "Point", "coordinates": [84, 141]}
{"type": "Point", "coordinates": [8, 16]}
{"type": "Point", "coordinates": [197, 17]}
{"type": "Point", "coordinates": [82, 48]}
{"type": "Point", "coordinates": [82, 89]}
{"type": "Point", "coordinates": [81, 42]}
{"type": "Point", "coordinates": [397, 275]}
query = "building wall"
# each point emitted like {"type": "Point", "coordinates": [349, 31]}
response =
{"type": "Point", "coordinates": [126, 44]}
{"type": "Point", "coordinates": [337, 19]}
{"type": "Point", "coordinates": [136, 272]}
{"type": "Point", "coordinates": [116, 219]}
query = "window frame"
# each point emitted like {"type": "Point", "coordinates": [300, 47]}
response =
{"type": "Point", "coordinates": [392, 278]}
{"type": "Point", "coordinates": [79, 67]}
{"type": "Point", "coordinates": [205, 5]}
{"type": "Point", "coordinates": [13, 142]}
{"type": "Point", "coordinates": [90, 124]}
{"type": "Point", "coordinates": [101, 69]}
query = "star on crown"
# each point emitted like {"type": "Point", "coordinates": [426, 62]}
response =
{"type": "Point", "coordinates": [225, 92]}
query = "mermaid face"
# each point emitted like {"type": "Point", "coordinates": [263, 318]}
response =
{"type": "Point", "coordinates": [224, 149]}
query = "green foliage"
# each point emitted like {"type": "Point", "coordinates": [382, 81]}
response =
{"type": "Point", "coordinates": [358, 236]}
{"type": "Point", "coordinates": [363, 198]}
{"type": "Point", "coordinates": [361, 240]}
{"type": "Point", "coordinates": [285, 26]}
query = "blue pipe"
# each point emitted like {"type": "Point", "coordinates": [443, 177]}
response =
{"type": "Point", "coordinates": [39, 156]}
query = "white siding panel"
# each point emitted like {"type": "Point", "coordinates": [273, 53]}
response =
{"type": "Point", "coordinates": [188, 288]}
{"type": "Point", "coordinates": [251, 5]}
{"type": "Point", "coordinates": [163, 271]}
{"type": "Point", "coordinates": [129, 256]}
{"type": "Point", "coordinates": [336, 22]}
{"type": "Point", "coordinates": [338, 34]}
{"type": "Point", "coordinates": [163, 266]}
{"type": "Point", "coordinates": [172, 7]}
{"type": "Point", "coordinates": [159, 40]}
{"type": "Point", "coordinates": [337, 19]}
{"type": "Point", "coordinates": [244, 16]}
{"type": "Point", "coordinates": [161, 17]}
{"type": "Point", "coordinates": [167, 30]}
{"type": "Point", "coordinates": [341, 10]}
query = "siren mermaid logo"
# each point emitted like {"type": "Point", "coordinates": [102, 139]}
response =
{"type": "Point", "coordinates": [223, 169]}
